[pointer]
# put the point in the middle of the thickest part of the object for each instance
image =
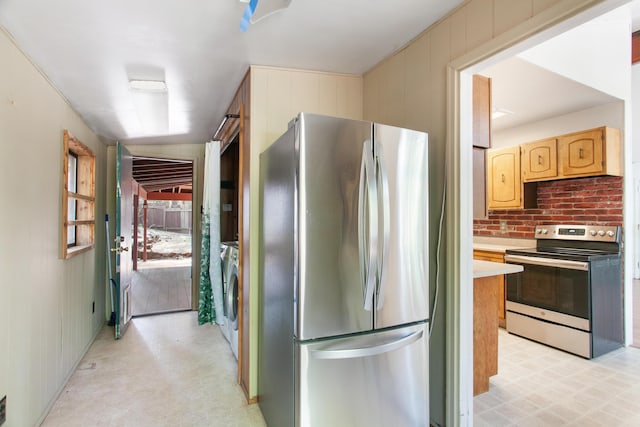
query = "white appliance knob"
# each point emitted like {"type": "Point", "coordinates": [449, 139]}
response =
{"type": "Point", "coordinates": [594, 232]}
{"type": "Point", "coordinates": [539, 231]}
{"type": "Point", "coordinates": [610, 233]}
{"type": "Point", "coordinates": [601, 233]}
{"type": "Point", "coordinates": [545, 231]}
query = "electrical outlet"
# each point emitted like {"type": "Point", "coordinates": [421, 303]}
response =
{"type": "Point", "coordinates": [3, 410]}
{"type": "Point", "coordinates": [503, 226]}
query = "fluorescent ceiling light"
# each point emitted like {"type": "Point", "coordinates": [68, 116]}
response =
{"type": "Point", "coordinates": [153, 111]}
{"type": "Point", "coordinates": [148, 85]}
{"type": "Point", "coordinates": [500, 112]}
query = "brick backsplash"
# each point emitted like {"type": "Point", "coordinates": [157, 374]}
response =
{"type": "Point", "coordinates": [595, 201]}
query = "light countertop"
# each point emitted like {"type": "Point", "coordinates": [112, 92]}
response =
{"type": "Point", "coordinates": [488, 268]}
{"type": "Point", "coordinates": [498, 244]}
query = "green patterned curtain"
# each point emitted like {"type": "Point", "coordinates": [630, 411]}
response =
{"type": "Point", "coordinates": [210, 270]}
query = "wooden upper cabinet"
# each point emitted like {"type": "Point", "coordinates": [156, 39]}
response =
{"type": "Point", "coordinates": [590, 153]}
{"type": "Point", "coordinates": [479, 184]}
{"type": "Point", "coordinates": [504, 184]}
{"type": "Point", "coordinates": [635, 47]}
{"type": "Point", "coordinates": [481, 111]}
{"type": "Point", "coordinates": [539, 160]}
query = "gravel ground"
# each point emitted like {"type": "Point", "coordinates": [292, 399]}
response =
{"type": "Point", "coordinates": [165, 244]}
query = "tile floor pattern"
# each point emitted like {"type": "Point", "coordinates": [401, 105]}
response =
{"type": "Point", "coordinates": [540, 386]}
{"type": "Point", "coordinates": [160, 286]}
{"type": "Point", "coordinates": [165, 371]}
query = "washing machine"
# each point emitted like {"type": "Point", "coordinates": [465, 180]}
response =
{"type": "Point", "coordinates": [224, 258]}
{"type": "Point", "coordinates": [231, 297]}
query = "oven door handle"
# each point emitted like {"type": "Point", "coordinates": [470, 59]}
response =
{"type": "Point", "coordinates": [547, 262]}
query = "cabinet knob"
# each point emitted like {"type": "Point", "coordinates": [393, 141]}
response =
{"type": "Point", "coordinates": [539, 159]}
{"type": "Point", "coordinates": [503, 179]}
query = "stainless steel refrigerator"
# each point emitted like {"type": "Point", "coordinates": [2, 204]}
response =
{"type": "Point", "coordinates": [344, 279]}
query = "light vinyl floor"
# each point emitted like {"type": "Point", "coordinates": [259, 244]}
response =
{"type": "Point", "coordinates": [537, 385]}
{"type": "Point", "coordinates": [168, 371]}
{"type": "Point", "coordinates": [165, 371]}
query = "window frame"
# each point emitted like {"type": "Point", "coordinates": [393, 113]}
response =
{"type": "Point", "coordinates": [84, 197]}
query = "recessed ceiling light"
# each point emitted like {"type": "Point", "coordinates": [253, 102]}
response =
{"type": "Point", "coordinates": [500, 112]}
{"type": "Point", "coordinates": [148, 85]}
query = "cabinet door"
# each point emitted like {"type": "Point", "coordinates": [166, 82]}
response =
{"type": "Point", "coordinates": [479, 183]}
{"type": "Point", "coordinates": [504, 184]}
{"type": "Point", "coordinates": [481, 111]}
{"type": "Point", "coordinates": [502, 290]}
{"type": "Point", "coordinates": [581, 153]}
{"type": "Point", "coordinates": [539, 160]}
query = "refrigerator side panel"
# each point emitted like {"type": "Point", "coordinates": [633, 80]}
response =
{"type": "Point", "coordinates": [277, 282]}
{"type": "Point", "coordinates": [330, 291]}
{"type": "Point", "coordinates": [403, 181]}
{"type": "Point", "coordinates": [378, 379]}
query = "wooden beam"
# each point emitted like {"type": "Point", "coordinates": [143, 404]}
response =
{"type": "Point", "coordinates": [169, 196]}
{"type": "Point", "coordinates": [144, 238]}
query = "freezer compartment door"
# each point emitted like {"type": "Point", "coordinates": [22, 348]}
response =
{"type": "Point", "coordinates": [401, 157]}
{"type": "Point", "coordinates": [377, 379]}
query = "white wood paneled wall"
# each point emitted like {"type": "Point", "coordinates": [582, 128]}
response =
{"type": "Point", "coordinates": [46, 319]}
{"type": "Point", "coordinates": [277, 96]}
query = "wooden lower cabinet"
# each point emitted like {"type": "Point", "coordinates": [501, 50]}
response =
{"type": "Point", "coordinates": [502, 290]}
{"type": "Point", "coordinates": [485, 332]}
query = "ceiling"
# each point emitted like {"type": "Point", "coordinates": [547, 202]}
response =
{"type": "Point", "coordinates": [91, 50]}
{"type": "Point", "coordinates": [530, 93]}
{"type": "Point", "coordinates": [161, 175]}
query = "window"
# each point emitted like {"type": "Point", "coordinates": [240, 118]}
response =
{"type": "Point", "coordinates": [72, 203]}
{"type": "Point", "coordinates": [78, 197]}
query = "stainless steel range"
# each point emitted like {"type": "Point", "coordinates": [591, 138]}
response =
{"type": "Point", "coordinates": [569, 295]}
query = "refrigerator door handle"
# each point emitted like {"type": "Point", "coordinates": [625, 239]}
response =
{"type": "Point", "coordinates": [383, 187]}
{"type": "Point", "coordinates": [384, 346]}
{"type": "Point", "coordinates": [367, 224]}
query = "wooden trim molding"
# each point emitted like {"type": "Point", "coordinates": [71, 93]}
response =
{"type": "Point", "coordinates": [83, 198]}
{"type": "Point", "coordinates": [635, 47]}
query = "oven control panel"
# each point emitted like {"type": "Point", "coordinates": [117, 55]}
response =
{"type": "Point", "coordinates": [601, 233]}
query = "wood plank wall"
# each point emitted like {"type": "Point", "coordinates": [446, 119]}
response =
{"type": "Point", "coordinates": [240, 105]}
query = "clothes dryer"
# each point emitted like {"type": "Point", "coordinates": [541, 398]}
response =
{"type": "Point", "coordinates": [231, 299]}
{"type": "Point", "coordinates": [223, 323]}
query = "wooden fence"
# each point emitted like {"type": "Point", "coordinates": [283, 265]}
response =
{"type": "Point", "coordinates": [163, 218]}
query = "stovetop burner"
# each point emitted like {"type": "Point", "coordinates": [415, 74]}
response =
{"type": "Point", "coordinates": [573, 242]}
{"type": "Point", "coordinates": [573, 251]}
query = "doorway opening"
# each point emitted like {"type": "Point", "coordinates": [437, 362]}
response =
{"type": "Point", "coordinates": [163, 236]}
{"type": "Point", "coordinates": [611, 110]}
